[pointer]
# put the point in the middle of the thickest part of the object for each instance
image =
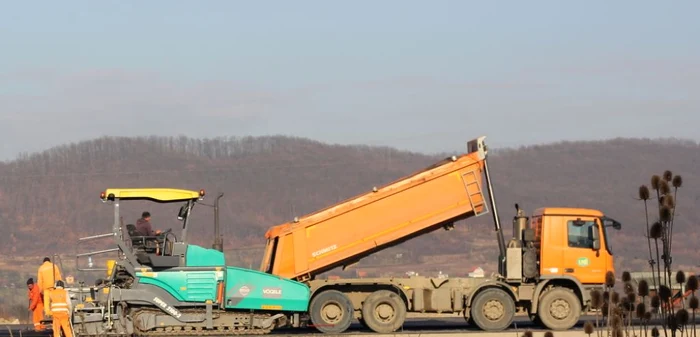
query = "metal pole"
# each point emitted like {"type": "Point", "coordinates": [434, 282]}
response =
{"type": "Point", "coordinates": [186, 220]}
{"type": "Point", "coordinates": [496, 221]}
{"type": "Point", "coordinates": [218, 239]}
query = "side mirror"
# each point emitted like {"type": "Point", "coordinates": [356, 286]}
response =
{"type": "Point", "coordinates": [609, 222]}
{"type": "Point", "coordinates": [182, 213]}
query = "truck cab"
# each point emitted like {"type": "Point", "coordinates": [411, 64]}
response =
{"type": "Point", "coordinates": [573, 242]}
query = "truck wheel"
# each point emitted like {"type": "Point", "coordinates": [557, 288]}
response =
{"type": "Point", "coordinates": [559, 309]}
{"type": "Point", "coordinates": [331, 312]}
{"type": "Point", "coordinates": [493, 310]}
{"type": "Point", "coordinates": [384, 311]}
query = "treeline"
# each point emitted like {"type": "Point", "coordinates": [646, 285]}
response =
{"type": "Point", "coordinates": [90, 156]}
{"type": "Point", "coordinates": [50, 199]}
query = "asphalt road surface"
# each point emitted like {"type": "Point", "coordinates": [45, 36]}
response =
{"type": "Point", "coordinates": [441, 326]}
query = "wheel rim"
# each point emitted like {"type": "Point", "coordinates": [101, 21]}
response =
{"type": "Point", "coordinates": [560, 309]}
{"type": "Point", "coordinates": [493, 310]}
{"type": "Point", "coordinates": [332, 312]}
{"type": "Point", "coordinates": [384, 312]}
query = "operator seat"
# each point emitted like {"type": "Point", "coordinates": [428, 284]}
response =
{"type": "Point", "coordinates": [145, 249]}
{"type": "Point", "coordinates": [146, 244]}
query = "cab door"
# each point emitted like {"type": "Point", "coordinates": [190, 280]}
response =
{"type": "Point", "coordinates": [582, 257]}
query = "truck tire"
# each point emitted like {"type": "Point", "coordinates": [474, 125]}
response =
{"type": "Point", "coordinates": [384, 311]}
{"type": "Point", "coordinates": [559, 309]}
{"type": "Point", "coordinates": [331, 312]}
{"type": "Point", "coordinates": [493, 310]}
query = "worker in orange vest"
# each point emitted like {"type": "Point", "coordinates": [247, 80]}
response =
{"type": "Point", "coordinates": [60, 311]}
{"type": "Point", "coordinates": [46, 278]}
{"type": "Point", "coordinates": [36, 305]}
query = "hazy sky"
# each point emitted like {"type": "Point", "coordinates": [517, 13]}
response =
{"type": "Point", "coordinates": [424, 76]}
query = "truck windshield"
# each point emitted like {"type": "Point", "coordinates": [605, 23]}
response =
{"type": "Point", "coordinates": [607, 223]}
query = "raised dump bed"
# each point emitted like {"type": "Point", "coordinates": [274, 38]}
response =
{"type": "Point", "coordinates": [343, 233]}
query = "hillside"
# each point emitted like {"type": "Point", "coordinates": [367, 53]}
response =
{"type": "Point", "coordinates": [50, 199]}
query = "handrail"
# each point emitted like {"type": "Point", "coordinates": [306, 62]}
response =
{"type": "Point", "coordinates": [99, 236]}
{"type": "Point", "coordinates": [92, 253]}
{"type": "Point", "coordinates": [98, 252]}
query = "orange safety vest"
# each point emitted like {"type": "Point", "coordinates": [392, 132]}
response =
{"type": "Point", "coordinates": [59, 301]}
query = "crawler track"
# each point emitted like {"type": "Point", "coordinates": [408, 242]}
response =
{"type": "Point", "coordinates": [242, 326]}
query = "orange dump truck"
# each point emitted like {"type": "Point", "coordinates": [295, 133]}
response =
{"type": "Point", "coordinates": [546, 270]}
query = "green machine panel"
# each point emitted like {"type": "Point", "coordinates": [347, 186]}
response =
{"type": "Point", "coordinates": [185, 285]}
{"type": "Point", "coordinates": [250, 289]}
{"type": "Point", "coordinates": [198, 256]}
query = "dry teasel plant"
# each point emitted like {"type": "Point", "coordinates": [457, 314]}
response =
{"type": "Point", "coordinates": [666, 187]}
{"type": "Point", "coordinates": [693, 305]}
{"type": "Point", "coordinates": [640, 313]}
{"type": "Point", "coordinates": [588, 328]}
{"type": "Point", "coordinates": [644, 196]}
{"type": "Point", "coordinates": [682, 318]}
{"type": "Point", "coordinates": [680, 279]}
{"type": "Point", "coordinates": [597, 305]}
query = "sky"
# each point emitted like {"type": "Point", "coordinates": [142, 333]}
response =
{"type": "Point", "coordinates": [417, 75]}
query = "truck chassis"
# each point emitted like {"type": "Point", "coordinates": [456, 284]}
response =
{"type": "Point", "coordinates": [382, 304]}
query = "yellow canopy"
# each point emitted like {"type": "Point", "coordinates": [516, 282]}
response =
{"type": "Point", "coordinates": [155, 194]}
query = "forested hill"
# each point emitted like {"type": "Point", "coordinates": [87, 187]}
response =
{"type": "Point", "coordinates": [49, 199]}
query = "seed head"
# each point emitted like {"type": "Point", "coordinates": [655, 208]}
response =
{"type": "Point", "coordinates": [617, 311]}
{"type": "Point", "coordinates": [643, 288]}
{"type": "Point", "coordinates": [669, 201]}
{"type": "Point", "coordinates": [626, 276]}
{"type": "Point", "coordinates": [644, 192]}
{"type": "Point", "coordinates": [641, 310]}
{"type": "Point", "coordinates": [548, 334]}
{"type": "Point", "coordinates": [655, 230]}
{"type": "Point", "coordinates": [615, 298]}
{"type": "Point", "coordinates": [609, 279]}
{"type": "Point", "coordinates": [655, 179]}
{"type": "Point", "coordinates": [654, 332]}
{"type": "Point", "coordinates": [665, 213]}
{"type": "Point", "coordinates": [647, 316]}
{"type": "Point", "coordinates": [527, 333]}
{"type": "Point", "coordinates": [680, 277]}
{"type": "Point", "coordinates": [668, 175]}
{"type": "Point", "coordinates": [682, 316]}
{"type": "Point", "coordinates": [664, 293]}
{"type": "Point", "coordinates": [692, 283]}
{"type": "Point", "coordinates": [693, 303]}
{"type": "Point", "coordinates": [632, 297]}
{"type": "Point", "coordinates": [655, 301]}
{"type": "Point", "coordinates": [664, 188]}
{"type": "Point", "coordinates": [629, 288]}
{"type": "Point", "coordinates": [588, 328]}
{"type": "Point", "coordinates": [596, 299]}
{"type": "Point", "coordinates": [677, 181]}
